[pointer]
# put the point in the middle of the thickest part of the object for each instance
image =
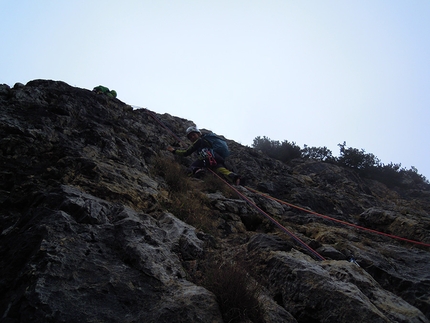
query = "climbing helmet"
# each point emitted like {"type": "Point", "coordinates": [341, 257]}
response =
{"type": "Point", "coordinates": [192, 129]}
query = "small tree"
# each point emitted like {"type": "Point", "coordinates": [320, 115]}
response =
{"type": "Point", "coordinates": [288, 151]}
{"type": "Point", "coordinates": [317, 153]}
{"type": "Point", "coordinates": [370, 166]}
{"type": "Point", "coordinates": [284, 151]}
{"type": "Point", "coordinates": [263, 143]}
{"type": "Point", "coordinates": [358, 159]}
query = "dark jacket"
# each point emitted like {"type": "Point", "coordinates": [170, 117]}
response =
{"type": "Point", "coordinates": [203, 148]}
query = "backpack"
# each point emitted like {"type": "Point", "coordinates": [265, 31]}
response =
{"type": "Point", "coordinates": [103, 89]}
{"type": "Point", "coordinates": [218, 144]}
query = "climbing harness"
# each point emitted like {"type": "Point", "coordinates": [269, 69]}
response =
{"type": "Point", "coordinates": [294, 206]}
{"type": "Point", "coordinates": [246, 199]}
{"type": "Point", "coordinates": [208, 155]}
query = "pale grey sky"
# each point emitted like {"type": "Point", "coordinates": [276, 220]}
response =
{"type": "Point", "coordinates": [313, 72]}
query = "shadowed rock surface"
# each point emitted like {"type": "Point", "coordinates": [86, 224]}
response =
{"type": "Point", "coordinates": [90, 231]}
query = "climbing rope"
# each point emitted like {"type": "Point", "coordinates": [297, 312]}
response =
{"type": "Point", "coordinates": [280, 226]}
{"type": "Point", "coordinates": [246, 199]}
{"type": "Point", "coordinates": [291, 205]}
{"type": "Point", "coordinates": [337, 220]}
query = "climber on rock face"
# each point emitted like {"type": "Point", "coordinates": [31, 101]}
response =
{"type": "Point", "coordinates": [208, 157]}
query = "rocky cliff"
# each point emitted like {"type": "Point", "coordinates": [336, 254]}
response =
{"type": "Point", "coordinates": [99, 224]}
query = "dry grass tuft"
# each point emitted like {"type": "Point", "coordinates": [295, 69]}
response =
{"type": "Point", "coordinates": [237, 293]}
{"type": "Point", "coordinates": [186, 198]}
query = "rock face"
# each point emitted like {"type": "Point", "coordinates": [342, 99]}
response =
{"type": "Point", "coordinates": [90, 231]}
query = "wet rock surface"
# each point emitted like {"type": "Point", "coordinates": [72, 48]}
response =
{"type": "Point", "coordinates": [87, 234]}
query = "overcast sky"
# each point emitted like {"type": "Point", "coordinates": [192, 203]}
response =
{"type": "Point", "coordinates": [312, 72]}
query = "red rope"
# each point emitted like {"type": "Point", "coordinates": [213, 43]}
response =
{"type": "Point", "coordinates": [243, 196]}
{"type": "Point", "coordinates": [340, 221]}
{"type": "Point", "coordinates": [291, 205]}
{"type": "Point", "coordinates": [246, 199]}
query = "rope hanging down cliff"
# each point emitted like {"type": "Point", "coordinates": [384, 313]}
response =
{"type": "Point", "coordinates": [339, 221]}
{"type": "Point", "coordinates": [280, 226]}
{"type": "Point", "coordinates": [294, 206]}
{"type": "Point", "coordinates": [246, 199]}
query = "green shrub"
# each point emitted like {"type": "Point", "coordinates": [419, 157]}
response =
{"type": "Point", "coordinates": [368, 165]}
{"type": "Point", "coordinates": [358, 159]}
{"type": "Point", "coordinates": [283, 151]}
{"type": "Point", "coordinates": [317, 153]}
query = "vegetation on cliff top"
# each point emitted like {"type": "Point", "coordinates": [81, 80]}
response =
{"type": "Point", "coordinates": [366, 164]}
